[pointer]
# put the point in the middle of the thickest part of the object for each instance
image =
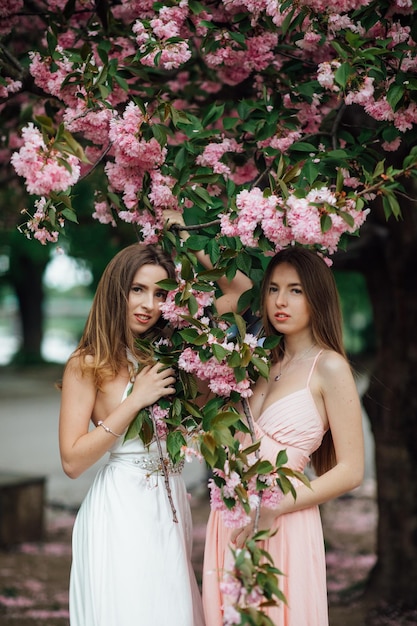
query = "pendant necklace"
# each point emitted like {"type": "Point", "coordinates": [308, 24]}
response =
{"type": "Point", "coordinates": [302, 355]}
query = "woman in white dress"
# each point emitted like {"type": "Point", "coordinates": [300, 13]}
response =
{"type": "Point", "coordinates": [131, 561]}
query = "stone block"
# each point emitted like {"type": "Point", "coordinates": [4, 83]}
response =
{"type": "Point", "coordinates": [22, 500]}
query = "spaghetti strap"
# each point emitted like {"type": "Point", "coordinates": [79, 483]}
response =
{"type": "Point", "coordinates": [312, 367]}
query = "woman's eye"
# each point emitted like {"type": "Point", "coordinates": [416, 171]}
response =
{"type": "Point", "coordinates": [161, 294]}
{"type": "Point", "coordinates": [136, 288]}
{"type": "Point", "coordinates": [297, 291]}
{"type": "Point", "coordinates": [273, 289]}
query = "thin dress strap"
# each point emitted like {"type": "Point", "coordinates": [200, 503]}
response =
{"type": "Point", "coordinates": [312, 367]}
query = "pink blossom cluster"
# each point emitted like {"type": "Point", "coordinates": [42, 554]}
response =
{"type": "Point", "coordinates": [334, 6]}
{"type": "Point", "coordinates": [295, 220]}
{"type": "Point", "coordinates": [220, 376]}
{"type": "Point", "coordinates": [155, 44]}
{"type": "Point", "coordinates": [44, 168]}
{"type": "Point", "coordinates": [10, 7]}
{"type": "Point", "coordinates": [254, 210]}
{"type": "Point", "coordinates": [93, 125]}
{"type": "Point", "coordinates": [159, 415]}
{"type": "Point", "coordinates": [161, 194]}
{"type": "Point", "coordinates": [103, 214]}
{"type": "Point", "coordinates": [304, 218]}
{"type": "Point", "coordinates": [129, 10]}
{"type": "Point", "coordinates": [170, 21]}
{"type": "Point", "coordinates": [174, 313]}
{"type": "Point", "coordinates": [362, 93]}
{"type": "Point", "coordinates": [129, 180]}
{"type": "Point", "coordinates": [214, 152]}
{"type": "Point", "coordinates": [51, 81]}
{"type": "Point", "coordinates": [271, 493]}
{"type": "Point", "coordinates": [231, 589]}
{"type": "Point", "coordinates": [191, 453]}
{"type": "Point", "coordinates": [132, 157]}
{"type": "Point", "coordinates": [130, 148]}
{"type": "Point", "coordinates": [235, 63]}
{"type": "Point", "coordinates": [236, 597]}
{"type": "Point", "coordinates": [11, 86]}
{"type": "Point", "coordinates": [269, 496]}
{"type": "Point", "coordinates": [281, 140]}
{"type": "Point", "coordinates": [35, 226]}
{"type": "Point", "coordinates": [236, 516]}
{"type": "Point", "coordinates": [326, 74]}
{"type": "Point", "coordinates": [9, 14]}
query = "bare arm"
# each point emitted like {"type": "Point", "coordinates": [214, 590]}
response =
{"type": "Point", "coordinates": [231, 290]}
{"type": "Point", "coordinates": [81, 448]}
{"type": "Point", "coordinates": [344, 414]}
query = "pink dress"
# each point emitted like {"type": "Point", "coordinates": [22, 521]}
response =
{"type": "Point", "coordinates": [292, 423]}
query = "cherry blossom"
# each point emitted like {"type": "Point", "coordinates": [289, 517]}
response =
{"type": "Point", "coordinates": [44, 168]}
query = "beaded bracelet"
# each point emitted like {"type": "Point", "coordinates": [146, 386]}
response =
{"type": "Point", "coordinates": [107, 429]}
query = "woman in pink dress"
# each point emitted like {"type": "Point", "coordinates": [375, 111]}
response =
{"type": "Point", "coordinates": [310, 407]}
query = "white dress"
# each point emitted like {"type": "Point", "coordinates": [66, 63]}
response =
{"type": "Point", "coordinates": [131, 562]}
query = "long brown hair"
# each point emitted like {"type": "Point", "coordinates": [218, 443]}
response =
{"type": "Point", "coordinates": [321, 293]}
{"type": "Point", "coordinates": [107, 334]}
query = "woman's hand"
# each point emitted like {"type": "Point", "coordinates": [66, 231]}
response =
{"type": "Point", "coordinates": [152, 383]}
{"type": "Point", "coordinates": [175, 218]}
{"type": "Point", "coordinates": [267, 519]}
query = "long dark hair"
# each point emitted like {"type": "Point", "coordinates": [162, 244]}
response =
{"type": "Point", "coordinates": [321, 293]}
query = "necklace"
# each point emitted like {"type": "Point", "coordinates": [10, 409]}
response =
{"type": "Point", "coordinates": [291, 360]}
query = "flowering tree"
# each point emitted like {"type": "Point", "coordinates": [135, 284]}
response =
{"type": "Point", "coordinates": [264, 123]}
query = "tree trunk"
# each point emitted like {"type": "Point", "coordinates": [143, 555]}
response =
{"type": "Point", "coordinates": [391, 403]}
{"type": "Point", "coordinates": [27, 266]}
{"type": "Point", "coordinates": [388, 262]}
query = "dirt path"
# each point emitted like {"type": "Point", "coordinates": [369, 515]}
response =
{"type": "Point", "coordinates": [34, 577]}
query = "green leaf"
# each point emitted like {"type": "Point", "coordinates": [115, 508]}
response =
{"type": "Point", "coordinates": [46, 123]}
{"type": "Point", "coordinates": [225, 418]}
{"type": "Point", "coordinates": [219, 352]}
{"type": "Point", "coordinates": [208, 448]}
{"type": "Point", "coordinates": [240, 324]}
{"type": "Point", "coordinates": [136, 425]}
{"type": "Point", "coordinates": [282, 458]}
{"type": "Point", "coordinates": [160, 133]}
{"type": "Point", "coordinates": [213, 114]}
{"type": "Point", "coordinates": [245, 300]}
{"type": "Point", "coordinates": [272, 341]}
{"type": "Point", "coordinates": [395, 94]}
{"type": "Point", "coordinates": [189, 334]}
{"type": "Point", "coordinates": [342, 74]}
{"type": "Point", "coordinates": [325, 223]}
{"type": "Point", "coordinates": [192, 305]}
{"type": "Point", "coordinates": [261, 366]}
{"type": "Point", "coordinates": [197, 242]}
{"type": "Point", "coordinates": [379, 169]}
{"type": "Point", "coordinates": [310, 171]}
{"type": "Point", "coordinates": [168, 284]}
{"type": "Point", "coordinates": [302, 146]}
{"type": "Point", "coordinates": [175, 441]}
{"type": "Point", "coordinates": [70, 215]}
{"type": "Point", "coordinates": [390, 204]}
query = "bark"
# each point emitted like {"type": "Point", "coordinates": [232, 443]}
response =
{"type": "Point", "coordinates": [26, 272]}
{"type": "Point", "coordinates": [387, 256]}
{"type": "Point", "coordinates": [391, 403]}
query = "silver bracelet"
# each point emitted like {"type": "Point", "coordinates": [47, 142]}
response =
{"type": "Point", "coordinates": [107, 429]}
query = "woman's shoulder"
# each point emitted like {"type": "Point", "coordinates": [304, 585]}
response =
{"type": "Point", "coordinates": [79, 364]}
{"type": "Point", "coordinates": [331, 364]}
{"type": "Point", "coordinates": [79, 359]}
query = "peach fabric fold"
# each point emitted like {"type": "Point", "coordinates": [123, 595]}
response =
{"type": "Point", "coordinates": [292, 423]}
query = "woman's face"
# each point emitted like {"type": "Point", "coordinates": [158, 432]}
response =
{"type": "Point", "coordinates": [145, 297]}
{"type": "Point", "coordinates": [286, 305]}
